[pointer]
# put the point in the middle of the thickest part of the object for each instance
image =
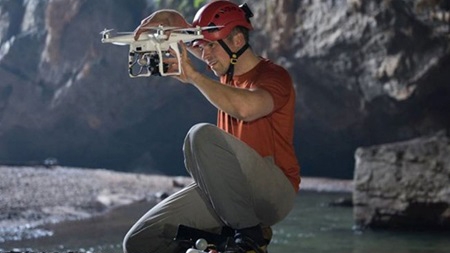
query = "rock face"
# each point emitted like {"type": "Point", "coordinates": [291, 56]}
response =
{"type": "Point", "coordinates": [404, 185]}
{"type": "Point", "coordinates": [366, 72]}
{"type": "Point", "coordinates": [66, 95]}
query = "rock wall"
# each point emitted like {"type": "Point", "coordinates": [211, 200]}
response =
{"type": "Point", "coordinates": [404, 184]}
{"type": "Point", "coordinates": [366, 72]}
{"type": "Point", "coordinates": [66, 95]}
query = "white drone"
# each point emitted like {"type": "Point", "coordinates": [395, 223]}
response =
{"type": "Point", "coordinates": [147, 53]}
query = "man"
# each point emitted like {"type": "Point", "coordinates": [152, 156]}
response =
{"type": "Point", "coordinates": [245, 171]}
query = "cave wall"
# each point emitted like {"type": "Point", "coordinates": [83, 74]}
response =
{"type": "Point", "coordinates": [366, 73]}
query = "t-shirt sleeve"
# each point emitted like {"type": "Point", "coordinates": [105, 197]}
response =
{"type": "Point", "coordinates": [278, 83]}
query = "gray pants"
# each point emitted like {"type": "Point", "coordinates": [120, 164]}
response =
{"type": "Point", "coordinates": [234, 186]}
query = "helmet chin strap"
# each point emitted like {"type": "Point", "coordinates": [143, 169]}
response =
{"type": "Point", "coordinates": [233, 58]}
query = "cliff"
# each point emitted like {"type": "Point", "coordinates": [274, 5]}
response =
{"type": "Point", "coordinates": [366, 73]}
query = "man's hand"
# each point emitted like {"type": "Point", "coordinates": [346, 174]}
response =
{"type": "Point", "coordinates": [161, 17]}
{"type": "Point", "coordinates": [187, 69]}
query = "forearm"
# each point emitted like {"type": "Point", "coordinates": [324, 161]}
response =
{"type": "Point", "coordinates": [242, 104]}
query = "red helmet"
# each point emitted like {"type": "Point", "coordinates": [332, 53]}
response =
{"type": "Point", "coordinates": [222, 13]}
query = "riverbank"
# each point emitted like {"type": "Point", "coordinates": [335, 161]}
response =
{"type": "Point", "coordinates": [34, 196]}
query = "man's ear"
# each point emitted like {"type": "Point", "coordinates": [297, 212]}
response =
{"type": "Point", "coordinates": [238, 40]}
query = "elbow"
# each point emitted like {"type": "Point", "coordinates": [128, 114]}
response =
{"type": "Point", "coordinates": [249, 110]}
{"type": "Point", "coordinates": [246, 115]}
{"type": "Point", "coordinates": [249, 118]}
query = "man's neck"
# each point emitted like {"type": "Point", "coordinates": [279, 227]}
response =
{"type": "Point", "coordinates": [247, 61]}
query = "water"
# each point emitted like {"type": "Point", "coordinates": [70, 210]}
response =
{"type": "Point", "coordinates": [313, 226]}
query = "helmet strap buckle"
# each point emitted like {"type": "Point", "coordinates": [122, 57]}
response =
{"type": "Point", "coordinates": [233, 57]}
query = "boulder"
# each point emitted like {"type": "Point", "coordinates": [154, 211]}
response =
{"type": "Point", "coordinates": [404, 184]}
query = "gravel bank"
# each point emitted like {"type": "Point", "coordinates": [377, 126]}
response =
{"type": "Point", "coordinates": [32, 196]}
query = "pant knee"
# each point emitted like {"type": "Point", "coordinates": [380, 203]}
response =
{"type": "Point", "coordinates": [200, 130]}
{"type": "Point", "coordinates": [199, 134]}
{"type": "Point", "coordinates": [153, 239]}
{"type": "Point", "coordinates": [134, 244]}
{"type": "Point", "coordinates": [127, 245]}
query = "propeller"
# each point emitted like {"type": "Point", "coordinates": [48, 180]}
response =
{"type": "Point", "coordinates": [181, 29]}
{"type": "Point", "coordinates": [105, 31]}
{"type": "Point", "coordinates": [165, 28]}
{"type": "Point", "coordinates": [198, 28]}
{"type": "Point", "coordinates": [211, 27]}
{"type": "Point", "coordinates": [162, 28]}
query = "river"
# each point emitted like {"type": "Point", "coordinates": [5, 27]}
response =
{"type": "Point", "coordinates": [313, 226]}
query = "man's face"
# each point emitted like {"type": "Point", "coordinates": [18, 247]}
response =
{"type": "Point", "coordinates": [215, 57]}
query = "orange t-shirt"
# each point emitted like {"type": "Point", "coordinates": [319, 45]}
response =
{"type": "Point", "coordinates": [271, 135]}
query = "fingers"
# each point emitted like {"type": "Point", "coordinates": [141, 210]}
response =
{"type": "Point", "coordinates": [172, 61]}
{"type": "Point", "coordinates": [148, 27]}
{"type": "Point", "coordinates": [183, 50]}
{"type": "Point", "coordinates": [184, 67]}
{"type": "Point", "coordinates": [162, 17]}
{"type": "Point", "coordinates": [145, 26]}
{"type": "Point", "coordinates": [139, 29]}
{"type": "Point", "coordinates": [146, 20]}
{"type": "Point", "coordinates": [142, 28]}
{"type": "Point", "coordinates": [137, 33]}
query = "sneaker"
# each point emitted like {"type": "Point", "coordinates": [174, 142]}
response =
{"type": "Point", "coordinates": [267, 234]}
{"type": "Point", "coordinates": [252, 240]}
{"type": "Point", "coordinates": [262, 249]}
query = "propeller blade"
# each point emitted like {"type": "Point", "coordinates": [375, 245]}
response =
{"type": "Point", "coordinates": [119, 43]}
{"type": "Point", "coordinates": [105, 31]}
{"type": "Point", "coordinates": [196, 29]}
{"type": "Point", "coordinates": [212, 27]}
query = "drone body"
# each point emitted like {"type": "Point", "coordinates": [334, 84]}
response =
{"type": "Point", "coordinates": [147, 53]}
